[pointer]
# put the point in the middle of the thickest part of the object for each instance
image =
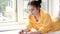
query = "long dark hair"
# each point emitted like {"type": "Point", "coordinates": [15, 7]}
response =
{"type": "Point", "coordinates": [36, 3]}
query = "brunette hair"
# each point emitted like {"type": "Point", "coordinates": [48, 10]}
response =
{"type": "Point", "coordinates": [36, 3]}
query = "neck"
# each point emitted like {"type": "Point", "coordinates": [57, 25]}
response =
{"type": "Point", "coordinates": [38, 13]}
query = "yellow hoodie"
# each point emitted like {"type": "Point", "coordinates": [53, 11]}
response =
{"type": "Point", "coordinates": [44, 24]}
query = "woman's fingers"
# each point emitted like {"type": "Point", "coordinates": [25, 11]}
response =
{"type": "Point", "coordinates": [21, 32]}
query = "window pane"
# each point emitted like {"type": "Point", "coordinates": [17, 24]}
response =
{"type": "Point", "coordinates": [25, 10]}
{"type": "Point", "coordinates": [7, 10]}
{"type": "Point", "coordinates": [45, 5]}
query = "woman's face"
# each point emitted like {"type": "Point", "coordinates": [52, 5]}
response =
{"type": "Point", "coordinates": [33, 10]}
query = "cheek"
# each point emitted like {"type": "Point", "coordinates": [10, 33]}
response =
{"type": "Point", "coordinates": [34, 11]}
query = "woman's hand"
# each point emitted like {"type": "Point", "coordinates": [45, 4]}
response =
{"type": "Point", "coordinates": [25, 31]}
{"type": "Point", "coordinates": [21, 32]}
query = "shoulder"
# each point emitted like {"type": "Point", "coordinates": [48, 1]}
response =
{"type": "Point", "coordinates": [45, 13]}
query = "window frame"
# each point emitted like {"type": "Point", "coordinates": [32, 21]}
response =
{"type": "Point", "coordinates": [19, 22]}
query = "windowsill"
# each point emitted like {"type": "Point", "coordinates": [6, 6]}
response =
{"type": "Point", "coordinates": [17, 32]}
{"type": "Point", "coordinates": [10, 32]}
{"type": "Point", "coordinates": [7, 27]}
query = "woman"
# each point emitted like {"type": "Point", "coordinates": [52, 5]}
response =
{"type": "Point", "coordinates": [39, 20]}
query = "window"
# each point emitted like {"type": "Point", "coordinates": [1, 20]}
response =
{"type": "Point", "coordinates": [8, 11]}
{"type": "Point", "coordinates": [54, 7]}
{"type": "Point", "coordinates": [45, 5]}
{"type": "Point", "coordinates": [8, 15]}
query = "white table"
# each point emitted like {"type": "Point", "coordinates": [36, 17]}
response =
{"type": "Point", "coordinates": [56, 32]}
{"type": "Point", "coordinates": [10, 32]}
